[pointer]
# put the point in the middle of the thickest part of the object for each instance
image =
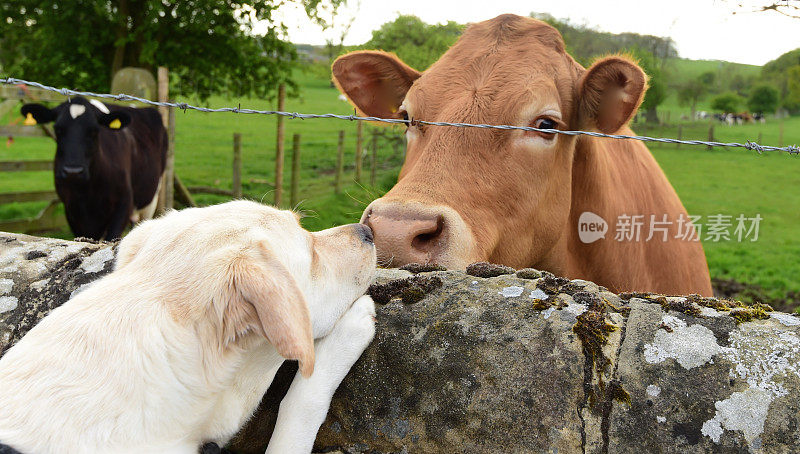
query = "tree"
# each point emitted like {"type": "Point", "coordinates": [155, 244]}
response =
{"type": "Point", "coordinates": [694, 90]}
{"type": "Point", "coordinates": [415, 42]}
{"type": "Point", "coordinates": [336, 28]}
{"type": "Point", "coordinates": [726, 102]}
{"type": "Point", "coordinates": [763, 99]}
{"type": "Point", "coordinates": [792, 100]}
{"type": "Point", "coordinates": [789, 8]}
{"type": "Point", "coordinates": [585, 43]}
{"type": "Point", "coordinates": [657, 90]}
{"type": "Point", "coordinates": [208, 45]}
{"type": "Point", "coordinates": [781, 73]}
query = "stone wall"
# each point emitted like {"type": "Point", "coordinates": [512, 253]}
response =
{"type": "Point", "coordinates": [504, 361]}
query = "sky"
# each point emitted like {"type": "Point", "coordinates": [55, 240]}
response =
{"type": "Point", "coordinates": [701, 29]}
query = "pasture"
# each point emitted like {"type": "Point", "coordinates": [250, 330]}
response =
{"type": "Point", "coordinates": [721, 181]}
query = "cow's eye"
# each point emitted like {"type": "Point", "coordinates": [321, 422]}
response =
{"type": "Point", "coordinates": [545, 123]}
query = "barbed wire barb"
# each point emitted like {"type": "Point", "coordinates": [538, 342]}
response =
{"type": "Point", "coordinates": [749, 145]}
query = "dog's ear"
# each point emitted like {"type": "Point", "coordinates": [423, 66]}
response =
{"type": "Point", "coordinates": [266, 295]}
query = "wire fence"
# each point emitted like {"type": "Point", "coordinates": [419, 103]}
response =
{"type": "Point", "coordinates": [749, 145]}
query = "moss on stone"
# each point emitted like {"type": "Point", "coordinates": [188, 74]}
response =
{"type": "Point", "coordinates": [628, 295]}
{"type": "Point", "coordinates": [592, 328]}
{"type": "Point", "coordinates": [618, 393]}
{"type": "Point", "coordinates": [551, 284]}
{"type": "Point", "coordinates": [757, 311]}
{"type": "Point", "coordinates": [680, 305]}
{"type": "Point", "coordinates": [693, 304]}
{"type": "Point", "coordinates": [410, 290]}
{"type": "Point", "coordinates": [540, 304]}
{"type": "Point", "coordinates": [486, 269]}
{"type": "Point", "coordinates": [529, 273]}
{"type": "Point", "coordinates": [416, 268]}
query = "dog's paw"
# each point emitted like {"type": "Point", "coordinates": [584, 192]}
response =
{"type": "Point", "coordinates": [358, 323]}
{"type": "Point", "coordinates": [351, 335]}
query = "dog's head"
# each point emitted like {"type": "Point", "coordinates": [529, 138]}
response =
{"type": "Point", "coordinates": [245, 269]}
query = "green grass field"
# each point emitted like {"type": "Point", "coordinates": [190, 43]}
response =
{"type": "Point", "coordinates": [729, 182]}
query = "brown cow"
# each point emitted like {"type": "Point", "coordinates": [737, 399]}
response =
{"type": "Point", "coordinates": [516, 197]}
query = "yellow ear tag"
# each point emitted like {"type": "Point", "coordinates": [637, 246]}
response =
{"type": "Point", "coordinates": [116, 124]}
{"type": "Point", "coordinates": [29, 120]}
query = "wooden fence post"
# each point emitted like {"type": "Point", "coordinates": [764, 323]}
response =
{"type": "Point", "coordinates": [279, 148]}
{"type": "Point", "coordinates": [710, 137]}
{"type": "Point", "coordinates": [295, 169]}
{"type": "Point", "coordinates": [374, 163]}
{"type": "Point", "coordinates": [237, 166]}
{"type": "Point", "coordinates": [169, 169]}
{"type": "Point", "coordinates": [359, 146]}
{"type": "Point", "coordinates": [337, 187]}
{"type": "Point", "coordinates": [163, 96]}
{"type": "Point", "coordinates": [680, 135]}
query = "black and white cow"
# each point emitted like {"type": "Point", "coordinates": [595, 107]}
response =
{"type": "Point", "coordinates": [108, 165]}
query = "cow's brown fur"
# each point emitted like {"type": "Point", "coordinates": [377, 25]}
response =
{"type": "Point", "coordinates": [521, 205]}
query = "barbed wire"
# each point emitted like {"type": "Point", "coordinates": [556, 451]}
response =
{"type": "Point", "coordinates": [749, 145]}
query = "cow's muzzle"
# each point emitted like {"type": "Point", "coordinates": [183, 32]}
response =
{"type": "Point", "coordinates": [416, 233]}
{"type": "Point", "coordinates": [73, 172]}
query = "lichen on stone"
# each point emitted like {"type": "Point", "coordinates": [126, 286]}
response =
{"type": "Point", "coordinates": [691, 346]}
{"type": "Point", "coordinates": [8, 303]}
{"type": "Point", "coordinates": [512, 291]}
{"type": "Point", "coordinates": [5, 286]}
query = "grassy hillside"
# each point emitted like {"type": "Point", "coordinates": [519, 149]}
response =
{"type": "Point", "coordinates": [685, 69]}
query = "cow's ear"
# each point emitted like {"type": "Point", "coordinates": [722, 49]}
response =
{"type": "Point", "coordinates": [610, 92]}
{"type": "Point", "coordinates": [114, 120]}
{"type": "Point", "coordinates": [37, 114]}
{"type": "Point", "coordinates": [375, 82]}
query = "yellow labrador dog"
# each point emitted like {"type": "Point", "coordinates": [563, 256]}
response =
{"type": "Point", "coordinates": [176, 346]}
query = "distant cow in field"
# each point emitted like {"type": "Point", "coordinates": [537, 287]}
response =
{"type": "Point", "coordinates": [108, 165]}
{"type": "Point", "coordinates": [515, 197]}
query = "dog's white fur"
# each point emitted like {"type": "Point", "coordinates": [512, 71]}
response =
{"type": "Point", "coordinates": [177, 346]}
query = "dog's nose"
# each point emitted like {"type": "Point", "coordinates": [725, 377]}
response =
{"type": "Point", "coordinates": [365, 233]}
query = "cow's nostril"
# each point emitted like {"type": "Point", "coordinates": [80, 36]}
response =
{"type": "Point", "coordinates": [428, 236]}
{"type": "Point", "coordinates": [73, 170]}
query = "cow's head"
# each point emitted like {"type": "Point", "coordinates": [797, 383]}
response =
{"type": "Point", "coordinates": [77, 125]}
{"type": "Point", "coordinates": [468, 194]}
